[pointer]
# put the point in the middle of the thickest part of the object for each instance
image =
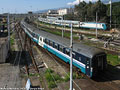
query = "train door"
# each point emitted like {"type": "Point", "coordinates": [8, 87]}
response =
{"type": "Point", "coordinates": [100, 59]}
{"type": "Point", "coordinates": [88, 67]}
{"type": "Point", "coordinates": [41, 41]}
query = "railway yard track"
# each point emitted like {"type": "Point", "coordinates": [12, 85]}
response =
{"type": "Point", "coordinates": [113, 45]}
{"type": "Point", "coordinates": [104, 81]}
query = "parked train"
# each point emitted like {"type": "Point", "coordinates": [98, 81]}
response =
{"type": "Point", "coordinates": [78, 24]}
{"type": "Point", "coordinates": [88, 59]}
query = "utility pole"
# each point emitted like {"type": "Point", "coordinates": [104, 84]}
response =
{"type": "Point", "coordinates": [85, 18]}
{"type": "Point", "coordinates": [8, 27]}
{"type": "Point", "coordinates": [71, 61]}
{"type": "Point", "coordinates": [2, 10]}
{"type": "Point", "coordinates": [79, 1]}
{"type": "Point", "coordinates": [96, 25]}
{"type": "Point", "coordinates": [62, 27]}
{"type": "Point", "coordinates": [110, 14]}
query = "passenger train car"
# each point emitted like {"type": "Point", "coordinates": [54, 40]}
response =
{"type": "Point", "coordinates": [88, 59]}
{"type": "Point", "coordinates": [78, 24]}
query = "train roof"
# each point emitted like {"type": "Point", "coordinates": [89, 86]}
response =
{"type": "Point", "coordinates": [85, 50]}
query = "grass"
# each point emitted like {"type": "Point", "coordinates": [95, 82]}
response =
{"type": "Point", "coordinates": [75, 76]}
{"type": "Point", "coordinates": [57, 32]}
{"type": "Point", "coordinates": [12, 41]}
{"type": "Point", "coordinates": [33, 74]}
{"type": "Point", "coordinates": [113, 59]}
{"type": "Point", "coordinates": [90, 36]}
{"type": "Point", "coordinates": [52, 78]}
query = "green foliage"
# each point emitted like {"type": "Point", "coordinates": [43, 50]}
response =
{"type": "Point", "coordinates": [57, 78]}
{"type": "Point", "coordinates": [52, 77]}
{"type": "Point", "coordinates": [52, 84]}
{"type": "Point", "coordinates": [33, 74]}
{"type": "Point", "coordinates": [12, 39]}
{"type": "Point", "coordinates": [49, 71]}
{"type": "Point", "coordinates": [113, 59]}
{"type": "Point", "coordinates": [49, 77]}
{"type": "Point", "coordinates": [67, 78]}
{"type": "Point", "coordinates": [69, 17]}
{"type": "Point", "coordinates": [87, 12]}
{"type": "Point", "coordinates": [75, 76]}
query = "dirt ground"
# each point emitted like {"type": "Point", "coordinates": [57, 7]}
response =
{"type": "Point", "coordinates": [9, 76]}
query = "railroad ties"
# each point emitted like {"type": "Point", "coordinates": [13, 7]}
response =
{"type": "Point", "coordinates": [116, 43]}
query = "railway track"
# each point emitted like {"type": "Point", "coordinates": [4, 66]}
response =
{"type": "Point", "coordinates": [103, 81]}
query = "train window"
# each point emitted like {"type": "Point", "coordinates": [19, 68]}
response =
{"type": "Point", "coordinates": [43, 40]}
{"type": "Point", "coordinates": [80, 59]}
{"type": "Point", "coordinates": [56, 45]}
{"type": "Point", "coordinates": [40, 39]}
{"type": "Point", "coordinates": [73, 54]}
{"type": "Point", "coordinates": [67, 51]}
{"type": "Point", "coordinates": [47, 42]}
{"type": "Point", "coordinates": [51, 43]}
{"type": "Point", "coordinates": [61, 48]}
{"type": "Point", "coordinates": [37, 37]}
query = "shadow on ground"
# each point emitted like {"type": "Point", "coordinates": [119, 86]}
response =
{"type": "Point", "coordinates": [3, 34]}
{"type": "Point", "coordinates": [112, 73]}
{"type": "Point", "coordinates": [19, 58]}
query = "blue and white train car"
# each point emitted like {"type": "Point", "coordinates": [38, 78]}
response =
{"type": "Point", "coordinates": [88, 59]}
{"type": "Point", "coordinates": [88, 25]}
{"type": "Point", "coordinates": [93, 25]}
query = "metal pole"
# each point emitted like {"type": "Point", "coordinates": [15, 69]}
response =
{"type": "Point", "coordinates": [85, 18]}
{"type": "Point", "coordinates": [110, 13]}
{"type": "Point", "coordinates": [79, 1]}
{"type": "Point", "coordinates": [96, 26]}
{"type": "Point", "coordinates": [71, 69]}
{"type": "Point", "coordinates": [8, 27]}
{"type": "Point", "coordinates": [62, 27]}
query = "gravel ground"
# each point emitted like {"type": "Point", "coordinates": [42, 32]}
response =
{"type": "Point", "coordinates": [9, 76]}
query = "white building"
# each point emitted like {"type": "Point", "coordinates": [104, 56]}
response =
{"type": "Point", "coordinates": [52, 12]}
{"type": "Point", "coordinates": [65, 11]}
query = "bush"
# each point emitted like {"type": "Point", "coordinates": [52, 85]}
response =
{"type": "Point", "coordinates": [67, 78]}
{"type": "Point", "coordinates": [49, 71]}
{"type": "Point", "coordinates": [48, 77]}
{"type": "Point", "coordinates": [52, 84]}
{"type": "Point", "coordinates": [57, 78]}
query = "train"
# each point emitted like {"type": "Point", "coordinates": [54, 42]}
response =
{"type": "Point", "coordinates": [89, 60]}
{"type": "Point", "coordinates": [85, 25]}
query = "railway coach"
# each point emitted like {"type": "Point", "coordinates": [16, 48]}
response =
{"type": "Point", "coordinates": [78, 24]}
{"type": "Point", "coordinates": [88, 59]}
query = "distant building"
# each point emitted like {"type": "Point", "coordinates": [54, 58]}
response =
{"type": "Point", "coordinates": [52, 12]}
{"type": "Point", "coordinates": [65, 11]}
{"type": "Point", "coordinates": [30, 12]}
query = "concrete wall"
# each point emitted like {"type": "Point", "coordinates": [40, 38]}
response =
{"type": "Point", "coordinates": [3, 50]}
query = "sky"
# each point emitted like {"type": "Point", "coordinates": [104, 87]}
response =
{"type": "Point", "coordinates": [23, 6]}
